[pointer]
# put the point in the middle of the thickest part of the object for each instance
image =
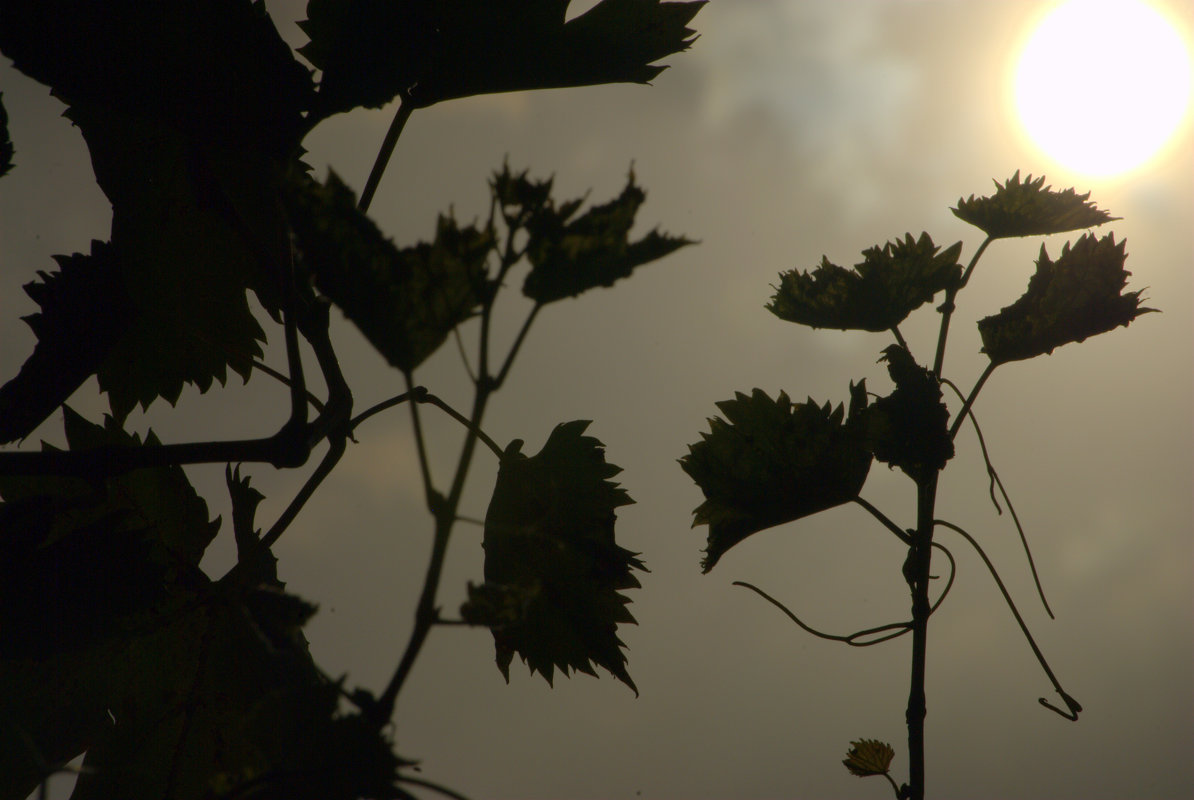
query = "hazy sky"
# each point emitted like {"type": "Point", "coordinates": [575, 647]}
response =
{"type": "Point", "coordinates": [791, 130]}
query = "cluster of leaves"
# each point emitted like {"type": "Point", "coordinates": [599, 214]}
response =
{"type": "Point", "coordinates": [114, 641]}
{"type": "Point", "coordinates": [769, 462]}
{"type": "Point", "coordinates": [890, 283]}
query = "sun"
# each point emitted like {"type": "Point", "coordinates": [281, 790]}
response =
{"type": "Point", "coordinates": [1102, 85]}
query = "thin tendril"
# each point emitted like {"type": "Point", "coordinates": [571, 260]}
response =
{"type": "Point", "coordinates": [900, 627]}
{"type": "Point", "coordinates": [1072, 704]}
{"type": "Point", "coordinates": [995, 481]}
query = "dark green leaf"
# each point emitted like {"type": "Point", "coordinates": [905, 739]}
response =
{"type": "Point", "coordinates": [6, 150]}
{"type": "Point", "coordinates": [1078, 295]}
{"type": "Point", "coordinates": [889, 284]}
{"type": "Point", "coordinates": [909, 427]}
{"type": "Point", "coordinates": [372, 50]}
{"type": "Point", "coordinates": [1029, 209]}
{"type": "Point", "coordinates": [553, 572]}
{"type": "Point", "coordinates": [406, 301]}
{"type": "Point", "coordinates": [217, 71]}
{"type": "Point", "coordinates": [570, 256]}
{"type": "Point", "coordinates": [868, 757]}
{"type": "Point", "coordinates": [85, 311]}
{"type": "Point", "coordinates": [772, 461]}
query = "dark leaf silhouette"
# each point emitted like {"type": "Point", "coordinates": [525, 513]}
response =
{"type": "Point", "coordinates": [889, 284]}
{"type": "Point", "coordinates": [187, 109]}
{"type": "Point", "coordinates": [6, 149]}
{"type": "Point", "coordinates": [115, 643]}
{"type": "Point", "coordinates": [406, 301]}
{"type": "Point", "coordinates": [572, 255]}
{"type": "Point", "coordinates": [553, 572]}
{"type": "Point", "coordinates": [217, 71]}
{"type": "Point", "coordinates": [1029, 209]}
{"type": "Point", "coordinates": [868, 757]}
{"type": "Point", "coordinates": [909, 427]}
{"type": "Point", "coordinates": [85, 311]}
{"type": "Point", "coordinates": [772, 461]}
{"type": "Point", "coordinates": [372, 50]}
{"type": "Point", "coordinates": [1078, 295]}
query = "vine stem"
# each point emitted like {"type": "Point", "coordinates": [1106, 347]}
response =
{"type": "Point", "coordinates": [970, 398]}
{"type": "Point", "coordinates": [947, 308]}
{"type": "Point", "coordinates": [916, 573]}
{"type": "Point", "coordinates": [387, 149]}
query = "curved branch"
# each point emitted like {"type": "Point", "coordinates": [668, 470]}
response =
{"type": "Point", "coordinates": [953, 570]}
{"type": "Point", "coordinates": [900, 627]}
{"type": "Point", "coordinates": [1072, 704]}
{"type": "Point", "coordinates": [421, 395]}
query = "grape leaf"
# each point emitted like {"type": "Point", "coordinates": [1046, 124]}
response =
{"type": "Point", "coordinates": [772, 461]}
{"type": "Point", "coordinates": [188, 110]}
{"type": "Point", "coordinates": [406, 301]}
{"type": "Point", "coordinates": [1029, 209]}
{"type": "Point", "coordinates": [889, 284]}
{"type": "Point", "coordinates": [1078, 295]}
{"type": "Point", "coordinates": [909, 427]}
{"type": "Point", "coordinates": [570, 256]}
{"type": "Point", "coordinates": [372, 50]}
{"type": "Point", "coordinates": [6, 149]}
{"type": "Point", "coordinates": [85, 311]}
{"type": "Point", "coordinates": [868, 757]}
{"type": "Point", "coordinates": [553, 572]}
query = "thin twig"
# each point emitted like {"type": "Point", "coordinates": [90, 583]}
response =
{"type": "Point", "coordinates": [968, 403]}
{"type": "Point", "coordinates": [315, 402]}
{"type": "Point", "coordinates": [401, 115]}
{"type": "Point", "coordinates": [336, 446]}
{"type": "Point", "coordinates": [887, 523]}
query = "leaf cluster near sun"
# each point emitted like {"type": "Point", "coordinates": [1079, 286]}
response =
{"type": "Point", "coordinates": [184, 685]}
{"type": "Point", "coordinates": [768, 461]}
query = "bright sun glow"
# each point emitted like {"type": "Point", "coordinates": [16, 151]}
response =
{"type": "Point", "coordinates": [1102, 85]}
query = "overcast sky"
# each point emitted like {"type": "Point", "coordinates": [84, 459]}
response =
{"type": "Point", "coordinates": [790, 130]}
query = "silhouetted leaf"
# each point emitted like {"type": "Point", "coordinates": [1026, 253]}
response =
{"type": "Point", "coordinates": [570, 256]}
{"type": "Point", "coordinates": [372, 50]}
{"type": "Point", "coordinates": [909, 427]}
{"type": "Point", "coordinates": [6, 150]}
{"type": "Point", "coordinates": [868, 757]}
{"type": "Point", "coordinates": [406, 301]}
{"type": "Point", "coordinates": [553, 571]}
{"type": "Point", "coordinates": [1029, 209]}
{"type": "Point", "coordinates": [1078, 295]}
{"type": "Point", "coordinates": [770, 462]}
{"type": "Point", "coordinates": [84, 312]}
{"type": "Point", "coordinates": [217, 71]}
{"type": "Point", "coordinates": [889, 284]}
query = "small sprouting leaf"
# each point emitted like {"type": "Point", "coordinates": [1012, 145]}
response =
{"type": "Point", "coordinates": [6, 150]}
{"type": "Point", "coordinates": [772, 461]}
{"type": "Point", "coordinates": [570, 256]}
{"type": "Point", "coordinates": [1029, 209]}
{"type": "Point", "coordinates": [909, 427]}
{"type": "Point", "coordinates": [405, 301]}
{"type": "Point", "coordinates": [1078, 295]}
{"type": "Point", "coordinates": [371, 50]}
{"type": "Point", "coordinates": [868, 757]}
{"type": "Point", "coordinates": [553, 572]}
{"type": "Point", "coordinates": [891, 282]}
{"type": "Point", "coordinates": [84, 312]}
